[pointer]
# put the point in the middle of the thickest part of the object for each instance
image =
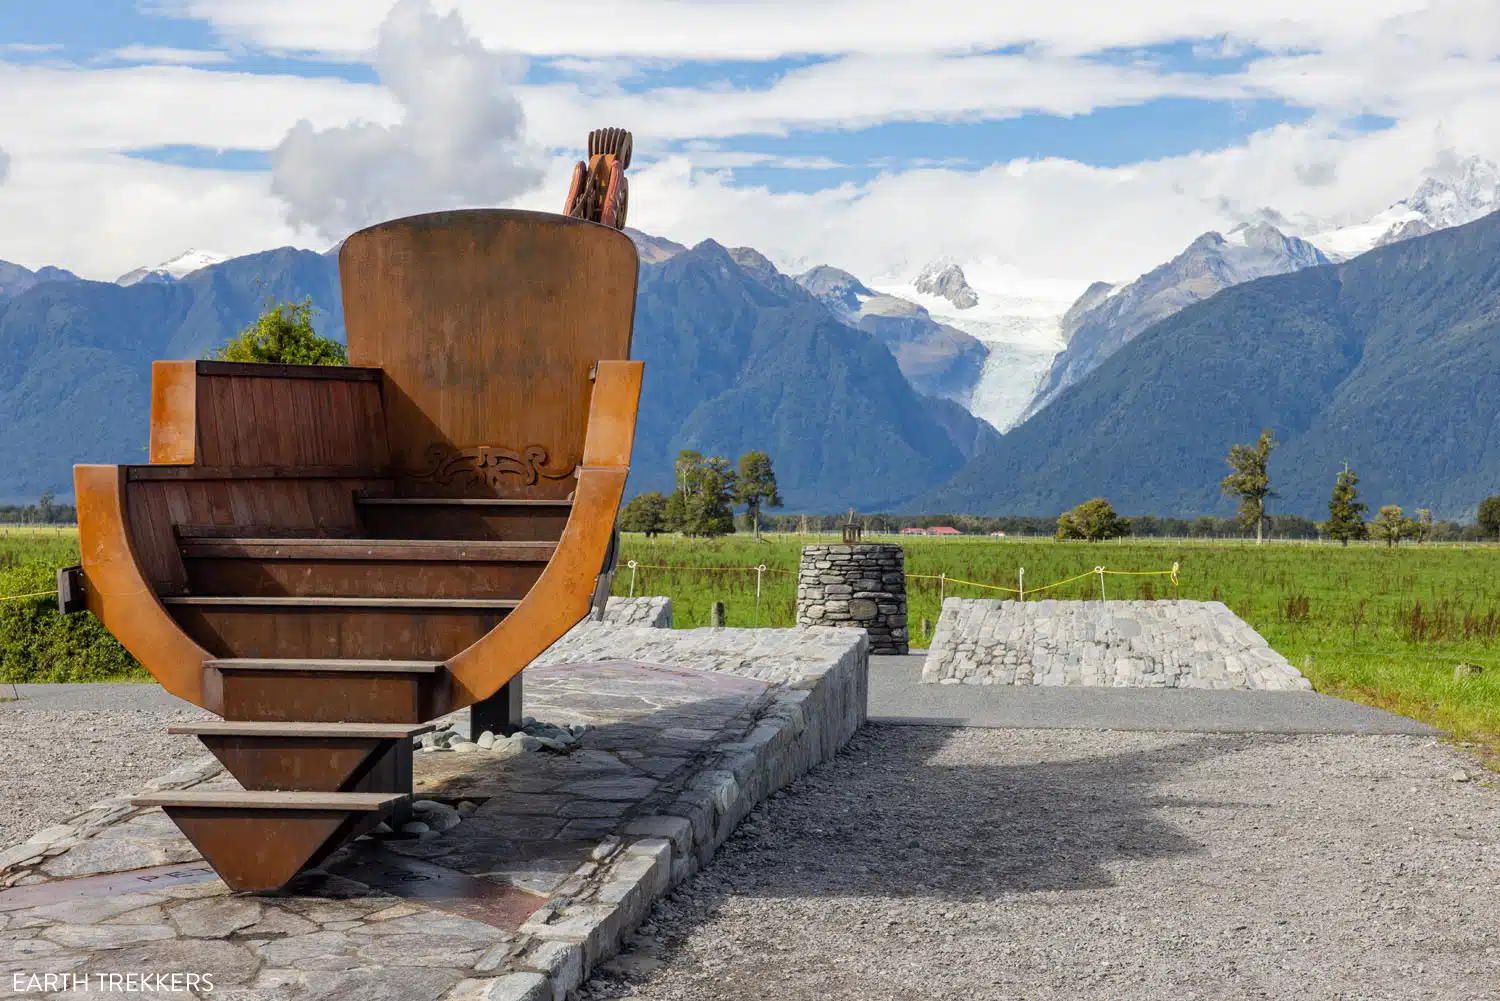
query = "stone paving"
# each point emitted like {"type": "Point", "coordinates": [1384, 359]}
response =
{"type": "Point", "coordinates": [1121, 644]}
{"type": "Point", "coordinates": [533, 867]}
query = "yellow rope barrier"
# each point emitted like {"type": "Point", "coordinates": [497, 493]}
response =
{"type": "Point", "coordinates": [34, 594]}
{"type": "Point", "coordinates": [633, 565]}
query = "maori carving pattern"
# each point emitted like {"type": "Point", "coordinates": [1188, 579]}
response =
{"type": "Point", "coordinates": [487, 463]}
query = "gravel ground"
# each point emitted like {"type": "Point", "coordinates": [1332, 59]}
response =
{"type": "Point", "coordinates": [56, 762]}
{"type": "Point", "coordinates": [1054, 864]}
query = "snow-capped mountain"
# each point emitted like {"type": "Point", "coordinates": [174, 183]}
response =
{"type": "Point", "coordinates": [936, 358]}
{"type": "Point", "coordinates": [1018, 320]}
{"type": "Point", "coordinates": [1106, 318]}
{"type": "Point", "coordinates": [945, 279]}
{"type": "Point", "coordinates": [1451, 194]}
{"type": "Point", "coordinates": [170, 271]}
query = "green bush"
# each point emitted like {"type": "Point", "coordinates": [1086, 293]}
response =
{"type": "Point", "coordinates": [39, 644]}
{"type": "Point", "coordinates": [283, 334]}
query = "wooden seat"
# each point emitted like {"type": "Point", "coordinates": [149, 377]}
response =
{"type": "Point", "coordinates": [396, 568]}
{"type": "Point", "coordinates": [333, 628]}
{"type": "Point", "coordinates": [329, 557]}
{"type": "Point", "coordinates": [503, 518]}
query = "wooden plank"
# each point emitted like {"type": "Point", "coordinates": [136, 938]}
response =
{"type": "Point", "coordinates": [241, 800]}
{"type": "Point", "coordinates": [394, 604]}
{"type": "Point", "coordinates": [315, 665]}
{"type": "Point", "coordinates": [381, 731]}
{"type": "Point", "coordinates": [486, 324]}
{"type": "Point", "coordinates": [174, 409]}
{"type": "Point", "coordinates": [289, 472]}
{"type": "Point", "coordinates": [367, 549]}
{"type": "Point", "coordinates": [313, 578]}
{"type": "Point", "coordinates": [336, 632]}
{"type": "Point", "coordinates": [262, 370]}
{"type": "Point", "coordinates": [461, 502]}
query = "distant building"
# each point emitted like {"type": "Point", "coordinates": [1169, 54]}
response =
{"type": "Point", "coordinates": [914, 531]}
{"type": "Point", "coordinates": [943, 530]}
{"type": "Point", "coordinates": [997, 535]}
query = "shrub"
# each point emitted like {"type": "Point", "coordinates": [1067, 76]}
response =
{"type": "Point", "coordinates": [1093, 520]}
{"type": "Point", "coordinates": [283, 334]}
{"type": "Point", "coordinates": [39, 644]}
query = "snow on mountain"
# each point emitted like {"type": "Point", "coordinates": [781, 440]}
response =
{"type": "Point", "coordinates": [1451, 194]}
{"type": "Point", "coordinates": [1105, 319]}
{"type": "Point", "coordinates": [170, 271]}
{"type": "Point", "coordinates": [936, 358]}
{"type": "Point", "coordinates": [1019, 319]}
{"type": "Point", "coordinates": [945, 279]}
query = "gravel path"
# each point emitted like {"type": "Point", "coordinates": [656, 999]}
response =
{"type": "Point", "coordinates": [55, 762]}
{"type": "Point", "coordinates": [1055, 864]}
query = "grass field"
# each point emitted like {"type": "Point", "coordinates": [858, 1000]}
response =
{"type": "Point", "coordinates": [1382, 626]}
{"type": "Point", "coordinates": [1379, 625]}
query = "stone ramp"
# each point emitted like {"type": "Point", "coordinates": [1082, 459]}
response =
{"type": "Point", "coordinates": [1103, 644]}
{"type": "Point", "coordinates": [526, 866]}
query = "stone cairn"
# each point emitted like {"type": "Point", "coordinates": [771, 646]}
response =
{"type": "Point", "coordinates": [861, 586]}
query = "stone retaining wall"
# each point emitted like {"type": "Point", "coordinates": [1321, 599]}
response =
{"type": "Point", "coordinates": [645, 611]}
{"type": "Point", "coordinates": [1120, 644]}
{"type": "Point", "coordinates": [861, 585]}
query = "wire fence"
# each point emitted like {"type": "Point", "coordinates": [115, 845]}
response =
{"type": "Point", "coordinates": [1020, 590]}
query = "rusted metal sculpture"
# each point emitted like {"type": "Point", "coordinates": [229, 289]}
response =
{"type": "Point", "coordinates": [329, 557]}
{"type": "Point", "coordinates": [600, 192]}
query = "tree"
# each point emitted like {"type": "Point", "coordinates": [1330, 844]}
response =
{"type": "Point", "coordinates": [1093, 520]}
{"type": "Point", "coordinates": [283, 334]}
{"type": "Point", "coordinates": [646, 513]}
{"type": "Point", "coordinates": [1421, 529]}
{"type": "Point", "coordinates": [1489, 516]}
{"type": "Point", "coordinates": [1251, 481]}
{"type": "Point", "coordinates": [1346, 515]}
{"type": "Point", "coordinates": [757, 486]}
{"type": "Point", "coordinates": [710, 508]}
{"type": "Point", "coordinates": [701, 504]}
{"type": "Point", "coordinates": [1391, 527]}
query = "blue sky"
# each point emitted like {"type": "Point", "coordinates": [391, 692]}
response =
{"type": "Point", "coordinates": [873, 141]}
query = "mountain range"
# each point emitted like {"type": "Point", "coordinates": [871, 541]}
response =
{"type": "Point", "coordinates": [1389, 361]}
{"type": "Point", "coordinates": [876, 394]}
{"type": "Point", "coordinates": [739, 357]}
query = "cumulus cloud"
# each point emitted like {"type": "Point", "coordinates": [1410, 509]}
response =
{"type": "Point", "coordinates": [165, 54]}
{"type": "Point", "coordinates": [459, 141]}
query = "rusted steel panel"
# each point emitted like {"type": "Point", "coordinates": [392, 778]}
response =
{"type": "Point", "coordinates": [174, 408]}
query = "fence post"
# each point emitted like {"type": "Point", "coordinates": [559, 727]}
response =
{"type": "Point", "coordinates": [942, 588]}
{"type": "Point", "coordinates": [716, 616]}
{"type": "Point", "coordinates": [1021, 577]}
{"type": "Point", "coordinates": [1100, 572]}
{"type": "Point", "coordinates": [758, 571]}
{"type": "Point", "coordinates": [632, 565]}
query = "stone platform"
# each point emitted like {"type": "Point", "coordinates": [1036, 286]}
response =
{"type": "Point", "coordinates": [1119, 644]}
{"type": "Point", "coordinates": [534, 866]}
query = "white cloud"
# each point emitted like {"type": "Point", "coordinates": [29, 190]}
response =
{"type": "Point", "coordinates": [62, 112]}
{"type": "Point", "coordinates": [446, 126]}
{"type": "Point", "coordinates": [167, 55]}
{"type": "Point", "coordinates": [768, 29]}
{"type": "Point", "coordinates": [458, 141]}
{"type": "Point", "coordinates": [4, 165]}
{"type": "Point", "coordinates": [102, 215]}
{"type": "Point", "coordinates": [28, 48]}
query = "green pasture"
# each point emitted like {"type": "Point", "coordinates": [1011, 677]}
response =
{"type": "Point", "coordinates": [36, 643]}
{"type": "Point", "coordinates": [1380, 625]}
